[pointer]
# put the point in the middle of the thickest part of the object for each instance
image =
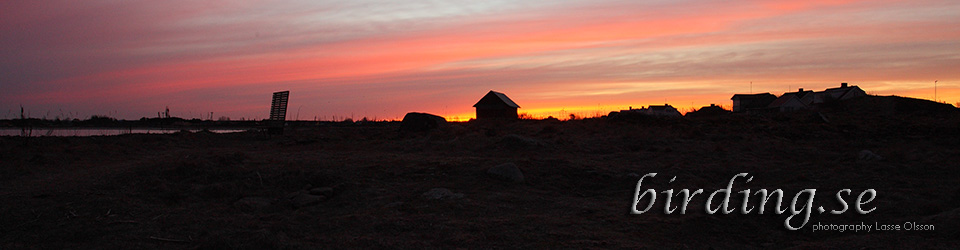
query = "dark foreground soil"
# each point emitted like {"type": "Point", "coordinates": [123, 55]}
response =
{"type": "Point", "coordinates": [245, 190]}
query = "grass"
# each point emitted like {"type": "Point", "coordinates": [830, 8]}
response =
{"type": "Point", "coordinates": [182, 190]}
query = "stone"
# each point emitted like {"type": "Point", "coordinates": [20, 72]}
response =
{"type": "Point", "coordinates": [302, 199]}
{"type": "Point", "coordinates": [421, 122]}
{"type": "Point", "coordinates": [441, 194]}
{"type": "Point", "coordinates": [955, 198]}
{"type": "Point", "coordinates": [867, 155]}
{"type": "Point", "coordinates": [250, 204]}
{"type": "Point", "coordinates": [513, 141]}
{"type": "Point", "coordinates": [506, 172]}
{"type": "Point", "coordinates": [325, 191]}
{"type": "Point", "coordinates": [946, 223]}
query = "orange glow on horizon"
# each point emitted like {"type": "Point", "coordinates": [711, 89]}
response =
{"type": "Point", "coordinates": [563, 113]}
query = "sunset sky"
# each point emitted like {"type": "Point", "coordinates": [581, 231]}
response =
{"type": "Point", "coordinates": [382, 59]}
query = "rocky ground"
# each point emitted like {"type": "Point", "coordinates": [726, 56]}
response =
{"type": "Point", "coordinates": [528, 184]}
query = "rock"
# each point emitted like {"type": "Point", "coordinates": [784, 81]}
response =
{"type": "Point", "coordinates": [506, 172]}
{"type": "Point", "coordinates": [867, 155]}
{"type": "Point", "coordinates": [305, 141]}
{"type": "Point", "coordinates": [420, 122]}
{"type": "Point", "coordinates": [249, 204]}
{"type": "Point", "coordinates": [947, 223]}
{"type": "Point", "coordinates": [325, 191]}
{"type": "Point", "coordinates": [823, 117]}
{"type": "Point", "coordinates": [955, 198]}
{"type": "Point", "coordinates": [303, 199]}
{"type": "Point", "coordinates": [290, 196]}
{"type": "Point", "coordinates": [441, 193]}
{"type": "Point", "coordinates": [513, 141]}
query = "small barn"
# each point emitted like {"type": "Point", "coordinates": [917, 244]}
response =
{"type": "Point", "coordinates": [496, 105]}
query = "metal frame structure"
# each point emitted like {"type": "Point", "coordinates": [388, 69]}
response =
{"type": "Point", "coordinates": [278, 108]}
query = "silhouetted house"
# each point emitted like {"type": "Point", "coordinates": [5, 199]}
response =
{"type": "Point", "coordinates": [496, 105]}
{"type": "Point", "coordinates": [792, 101]}
{"type": "Point", "coordinates": [745, 102]}
{"type": "Point", "coordinates": [788, 102]}
{"type": "Point", "coordinates": [664, 110]}
{"type": "Point", "coordinates": [844, 92]}
{"type": "Point", "coordinates": [806, 97]}
{"type": "Point", "coordinates": [655, 110]}
{"type": "Point", "coordinates": [708, 111]}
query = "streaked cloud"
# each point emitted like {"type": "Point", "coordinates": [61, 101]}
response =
{"type": "Point", "coordinates": [385, 58]}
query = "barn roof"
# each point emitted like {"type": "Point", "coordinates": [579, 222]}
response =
{"type": "Point", "coordinates": [494, 96]}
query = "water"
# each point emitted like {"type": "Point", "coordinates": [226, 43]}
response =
{"type": "Point", "coordinates": [103, 131]}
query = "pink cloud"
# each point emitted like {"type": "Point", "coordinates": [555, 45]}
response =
{"type": "Point", "coordinates": [225, 55]}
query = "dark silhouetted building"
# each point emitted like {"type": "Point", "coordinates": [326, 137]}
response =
{"type": "Point", "coordinates": [654, 110]}
{"type": "Point", "coordinates": [745, 102]}
{"type": "Point", "coordinates": [496, 105]}
{"type": "Point", "coordinates": [708, 111]}
{"type": "Point", "coordinates": [793, 101]}
{"type": "Point", "coordinates": [805, 96]}
{"type": "Point", "coordinates": [663, 110]}
{"type": "Point", "coordinates": [844, 92]}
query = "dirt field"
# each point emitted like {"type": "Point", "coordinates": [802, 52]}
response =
{"type": "Point", "coordinates": [370, 186]}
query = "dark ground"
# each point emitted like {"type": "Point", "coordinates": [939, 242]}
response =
{"type": "Point", "coordinates": [204, 190]}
